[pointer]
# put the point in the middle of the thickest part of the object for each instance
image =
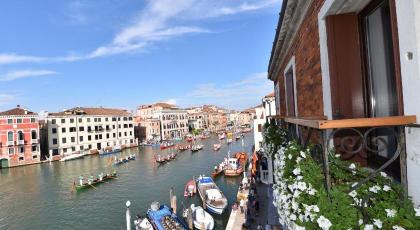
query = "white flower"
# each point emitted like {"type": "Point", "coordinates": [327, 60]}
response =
{"type": "Point", "coordinates": [353, 193]}
{"type": "Point", "coordinates": [297, 227]}
{"type": "Point", "coordinates": [377, 223]}
{"type": "Point", "coordinates": [312, 192]}
{"type": "Point", "coordinates": [299, 177]}
{"type": "Point", "coordinates": [324, 223]}
{"type": "Point", "coordinates": [354, 185]}
{"type": "Point", "coordinates": [387, 188]}
{"type": "Point", "coordinates": [298, 159]}
{"type": "Point", "coordinates": [302, 186]}
{"type": "Point", "coordinates": [368, 227]}
{"type": "Point", "coordinates": [384, 175]}
{"type": "Point", "coordinates": [352, 166]}
{"type": "Point", "coordinates": [293, 217]}
{"type": "Point", "coordinates": [417, 210]}
{"type": "Point", "coordinates": [390, 212]}
{"type": "Point", "coordinates": [315, 208]}
{"type": "Point", "coordinates": [374, 189]}
{"type": "Point", "coordinates": [396, 227]}
{"type": "Point", "coordinates": [302, 154]}
{"type": "Point", "coordinates": [360, 221]}
{"type": "Point", "coordinates": [296, 171]}
{"type": "Point", "coordinates": [337, 155]}
{"type": "Point", "coordinates": [290, 156]}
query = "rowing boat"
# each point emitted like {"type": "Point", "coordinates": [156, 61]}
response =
{"type": "Point", "coordinates": [91, 182]}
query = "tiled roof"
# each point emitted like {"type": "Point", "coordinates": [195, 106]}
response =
{"type": "Point", "coordinates": [270, 95]}
{"type": "Point", "coordinates": [17, 111]}
{"type": "Point", "coordinates": [92, 111]}
{"type": "Point", "coordinates": [158, 104]}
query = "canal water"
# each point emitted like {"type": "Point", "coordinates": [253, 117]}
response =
{"type": "Point", "coordinates": [40, 196]}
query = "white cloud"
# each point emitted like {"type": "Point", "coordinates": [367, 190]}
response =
{"type": "Point", "coordinates": [11, 58]}
{"type": "Point", "coordinates": [13, 75]}
{"type": "Point", "coordinates": [159, 20]}
{"type": "Point", "coordinates": [77, 12]}
{"type": "Point", "coordinates": [243, 94]}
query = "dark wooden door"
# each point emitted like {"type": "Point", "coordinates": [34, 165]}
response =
{"type": "Point", "coordinates": [290, 94]}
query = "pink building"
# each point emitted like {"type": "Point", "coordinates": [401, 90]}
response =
{"type": "Point", "coordinates": [19, 138]}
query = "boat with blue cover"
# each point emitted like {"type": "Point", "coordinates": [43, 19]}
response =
{"type": "Point", "coordinates": [213, 198]}
{"type": "Point", "coordinates": [115, 149]}
{"type": "Point", "coordinates": [162, 218]}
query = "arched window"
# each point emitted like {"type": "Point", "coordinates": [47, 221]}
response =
{"type": "Point", "coordinates": [10, 136]}
{"type": "Point", "coordinates": [33, 135]}
{"type": "Point", "coordinates": [20, 136]}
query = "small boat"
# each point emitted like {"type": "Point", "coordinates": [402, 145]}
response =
{"type": "Point", "coordinates": [114, 149]}
{"type": "Point", "coordinates": [170, 156]}
{"type": "Point", "coordinates": [166, 145]}
{"type": "Point", "coordinates": [162, 218]}
{"type": "Point", "coordinates": [142, 223]}
{"type": "Point", "coordinates": [216, 147]}
{"type": "Point", "coordinates": [190, 188]}
{"type": "Point", "coordinates": [89, 183]}
{"type": "Point", "coordinates": [196, 148]}
{"type": "Point", "coordinates": [233, 168]}
{"type": "Point", "coordinates": [73, 156]}
{"type": "Point", "coordinates": [202, 220]}
{"type": "Point", "coordinates": [160, 159]}
{"type": "Point", "coordinates": [189, 139]}
{"type": "Point", "coordinates": [211, 195]}
{"type": "Point", "coordinates": [238, 137]}
{"type": "Point", "coordinates": [124, 160]}
{"type": "Point", "coordinates": [217, 170]}
{"type": "Point", "coordinates": [222, 136]}
{"type": "Point", "coordinates": [183, 147]}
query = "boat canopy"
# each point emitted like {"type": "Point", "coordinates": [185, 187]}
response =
{"type": "Point", "coordinates": [159, 214]}
{"type": "Point", "coordinates": [205, 180]}
{"type": "Point", "coordinates": [213, 194]}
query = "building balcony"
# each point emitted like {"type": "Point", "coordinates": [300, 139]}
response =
{"type": "Point", "coordinates": [10, 143]}
{"type": "Point", "coordinates": [34, 141]}
{"type": "Point", "coordinates": [20, 142]}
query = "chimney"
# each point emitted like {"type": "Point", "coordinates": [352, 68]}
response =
{"type": "Point", "coordinates": [26, 110]}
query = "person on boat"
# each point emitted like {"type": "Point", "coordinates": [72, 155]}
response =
{"type": "Point", "coordinates": [81, 180]}
{"type": "Point", "coordinates": [90, 180]}
{"type": "Point", "coordinates": [101, 176]}
{"type": "Point", "coordinates": [242, 204]}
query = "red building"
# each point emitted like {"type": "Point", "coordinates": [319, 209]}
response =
{"type": "Point", "coordinates": [19, 138]}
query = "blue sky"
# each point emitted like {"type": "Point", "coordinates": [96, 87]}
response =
{"type": "Point", "coordinates": [123, 53]}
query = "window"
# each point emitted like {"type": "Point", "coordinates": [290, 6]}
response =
{"type": "Point", "coordinates": [88, 120]}
{"type": "Point", "coordinates": [80, 120]}
{"type": "Point", "coordinates": [106, 119]}
{"type": "Point", "coordinates": [21, 149]}
{"type": "Point", "coordinates": [34, 148]}
{"type": "Point", "coordinates": [96, 137]}
{"type": "Point", "coordinates": [89, 138]}
{"type": "Point", "coordinates": [95, 119]}
{"type": "Point", "coordinates": [54, 140]}
{"type": "Point", "coordinates": [125, 126]}
{"type": "Point", "coordinates": [114, 119]}
{"type": "Point", "coordinates": [259, 128]}
{"type": "Point", "coordinates": [10, 136]}
{"type": "Point", "coordinates": [119, 119]}
{"type": "Point", "coordinates": [20, 136]}
{"type": "Point", "coordinates": [131, 133]}
{"type": "Point", "coordinates": [119, 126]}
{"type": "Point", "coordinates": [90, 146]}
{"type": "Point", "coordinates": [89, 129]}
{"type": "Point", "coordinates": [55, 152]}
{"type": "Point", "coordinates": [63, 130]}
{"type": "Point", "coordinates": [33, 120]}
{"type": "Point", "coordinates": [54, 130]}
{"type": "Point", "coordinates": [22, 158]}
{"type": "Point", "coordinates": [107, 135]}
{"type": "Point", "coordinates": [64, 150]}
{"type": "Point", "coordinates": [81, 128]}
{"type": "Point", "coordinates": [72, 129]}
{"type": "Point", "coordinates": [114, 135]}
{"type": "Point", "coordinates": [53, 121]}
{"type": "Point", "coordinates": [119, 134]}
{"type": "Point", "coordinates": [19, 120]}
{"type": "Point", "coordinates": [113, 126]}
{"type": "Point", "coordinates": [125, 134]}
{"type": "Point", "coordinates": [73, 148]}
{"type": "Point", "coordinates": [81, 138]}
{"type": "Point", "coordinates": [99, 119]}
{"type": "Point", "coordinates": [11, 151]}
{"type": "Point", "coordinates": [131, 125]}
{"type": "Point", "coordinates": [9, 121]}
{"type": "Point", "coordinates": [33, 135]}
{"type": "Point", "coordinates": [71, 120]}
{"type": "Point", "coordinates": [34, 156]}
{"type": "Point", "coordinates": [63, 140]}
{"type": "Point", "coordinates": [81, 147]}
{"type": "Point", "coordinates": [63, 121]}
{"type": "Point", "coordinates": [73, 139]}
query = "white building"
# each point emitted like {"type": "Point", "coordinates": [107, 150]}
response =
{"type": "Point", "coordinates": [81, 129]}
{"type": "Point", "coordinates": [173, 123]}
{"type": "Point", "coordinates": [268, 108]}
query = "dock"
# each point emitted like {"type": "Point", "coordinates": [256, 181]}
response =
{"type": "Point", "coordinates": [236, 218]}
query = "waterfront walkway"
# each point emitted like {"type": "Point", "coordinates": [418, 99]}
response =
{"type": "Point", "coordinates": [264, 214]}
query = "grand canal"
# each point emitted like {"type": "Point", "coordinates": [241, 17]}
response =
{"type": "Point", "coordinates": [40, 196]}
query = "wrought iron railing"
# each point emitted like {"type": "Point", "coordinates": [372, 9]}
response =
{"type": "Point", "coordinates": [351, 137]}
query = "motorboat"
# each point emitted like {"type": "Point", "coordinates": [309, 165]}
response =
{"type": "Point", "coordinates": [162, 218]}
{"type": "Point", "coordinates": [74, 156]}
{"type": "Point", "coordinates": [213, 198]}
{"type": "Point", "coordinates": [202, 220]}
{"type": "Point", "coordinates": [190, 188]}
{"type": "Point", "coordinates": [114, 149]}
{"type": "Point", "coordinates": [142, 223]}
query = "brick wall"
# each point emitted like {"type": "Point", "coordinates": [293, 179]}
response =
{"type": "Point", "coordinates": [306, 50]}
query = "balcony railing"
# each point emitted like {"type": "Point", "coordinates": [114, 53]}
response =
{"type": "Point", "coordinates": [20, 142]}
{"type": "Point", "coordinates": [34, 141]}
{"type": "Point", "coordinates": [10, 143]}
{"type": "Point", "coordinates": [351, 137]}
